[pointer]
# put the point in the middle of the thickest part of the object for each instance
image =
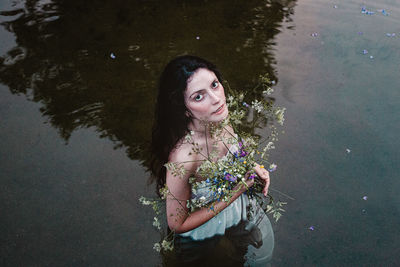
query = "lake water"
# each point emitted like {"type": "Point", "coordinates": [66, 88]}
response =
{"type": "Point", "coordinates": [77, 91]}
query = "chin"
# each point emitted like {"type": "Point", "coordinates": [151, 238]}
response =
{"type": "Point", "coordinates": [222, 116]}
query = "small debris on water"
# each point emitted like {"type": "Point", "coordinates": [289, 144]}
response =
{"type": "Point", "coordinates": [311, 228]}
{"type": "Point", "coordinates": [371, 57]}
{"type": "Point", "coordinates": [133, 47]}
{"type": "Point", "coordinates": [365, 197]}
{"type": "Point", "coordinates": [335, 6]}
{"type": "Point", "coordinates": [360, 33]}
{"type": "Point", "coordinates": [385, 13]}
{"type": "Point", "coordinates": [365, 51]}
{"type": "Point", "coordinates": [364, 211]}
{"type": "Point", "coordinates": [348, 150]}
{"type": "Point", "coordinates": [388, 34]}
{"type": "Point", "coordinates": [366, 11]}
{"type": "Point", "coordinates": [314, 34]}
{"type": "Point", "coordinates": [112, 55]}
{"type": "Point", "coordinates": [197, 37]}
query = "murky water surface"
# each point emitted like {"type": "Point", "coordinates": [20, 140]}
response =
{"type": "Point", "coordinates": [77, 90]}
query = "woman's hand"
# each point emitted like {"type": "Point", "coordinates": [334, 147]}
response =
{"type": "Point", "coordinates": [263, 174]}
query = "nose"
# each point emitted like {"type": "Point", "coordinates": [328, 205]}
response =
{"type": "Point", "coordinates": [214, 97]}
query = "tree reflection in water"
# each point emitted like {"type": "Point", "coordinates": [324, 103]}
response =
{"type": "Point", "coordinates": [63, 56]}
{"type": "Point", "coordinates": [62, 60]}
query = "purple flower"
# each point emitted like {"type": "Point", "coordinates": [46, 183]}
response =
{"type": "Point", "coordinates": [230, 177]}
{"type": "Point", "coordinates": [272, 167]}
{"type": "Point", "coordinates": [245, 104]}
{"type": "Point", "coordinates": [243, 153]}
{"type": "Point", "coordinates": [252, 176]}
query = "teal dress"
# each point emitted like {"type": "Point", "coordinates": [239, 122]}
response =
{"type": "Point", "coordinates": [241, 234]}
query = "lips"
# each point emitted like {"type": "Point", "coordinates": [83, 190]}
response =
{"type": "Point", "coordinates": [219, 109]}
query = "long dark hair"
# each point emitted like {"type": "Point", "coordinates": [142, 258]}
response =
{"type": "Point", "coordinates": [171, 114]}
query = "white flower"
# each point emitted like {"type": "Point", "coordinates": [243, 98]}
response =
{"type": "Point", "coordinates": [257, 105]}
{"type": "Point", "coordinates": [156, 223]}
{"type": "Point", "coordinates": [188, 137]}
{"type": "Point", "coordinates": [202, 199]}
{"type": "Point", "coordinates": [157, 247]}
{"type": "Point", "coordinates": [167, 245]}
{"type": "Point", "coordinates": [279, 115]}
{"type": "Point", "coordinates": [269, 91]}
{"type": "Point", "coordinates": [269, 146]}
{"type": "Point", "coordinates": [145, 201]}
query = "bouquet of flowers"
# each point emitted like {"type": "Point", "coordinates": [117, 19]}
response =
{"type": "Point", "coordinates": [245, 147]}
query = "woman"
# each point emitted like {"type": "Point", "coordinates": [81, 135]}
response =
{"type": "Point", "coordinates": [190, 93]}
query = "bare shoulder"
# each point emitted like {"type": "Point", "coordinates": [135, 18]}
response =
{"type": "Point", "coordinates": [183, 154]}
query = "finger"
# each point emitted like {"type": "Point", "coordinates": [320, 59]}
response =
{"type": "Point", "coordinates": [265, 190]}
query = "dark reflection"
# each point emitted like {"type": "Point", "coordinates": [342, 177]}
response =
{"type": "Point", "coordinates": [96, 63]}
{"type": "Point", "coordinates": [250, 243]}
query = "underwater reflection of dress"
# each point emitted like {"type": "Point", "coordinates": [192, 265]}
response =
{"type": "Point", "coordinates": [229, 239]}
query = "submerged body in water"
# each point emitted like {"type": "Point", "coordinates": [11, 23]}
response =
{"type": "Point", "coordinates": [240, 235]}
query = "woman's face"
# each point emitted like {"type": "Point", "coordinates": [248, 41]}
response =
{"type": "Point", "coordinates": [205, 96]}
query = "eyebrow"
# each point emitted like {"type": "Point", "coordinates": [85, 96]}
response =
{"type": "Point", "coordinates": [202, 89]}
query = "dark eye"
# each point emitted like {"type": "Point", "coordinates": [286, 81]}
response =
{"type": "Point", "coordinates": [198, 97]}
{"type": "Point", "coordinates": [214, 84]}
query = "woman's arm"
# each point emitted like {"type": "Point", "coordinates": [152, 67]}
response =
{"type": "Point", "coordinates": [178, 216]}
